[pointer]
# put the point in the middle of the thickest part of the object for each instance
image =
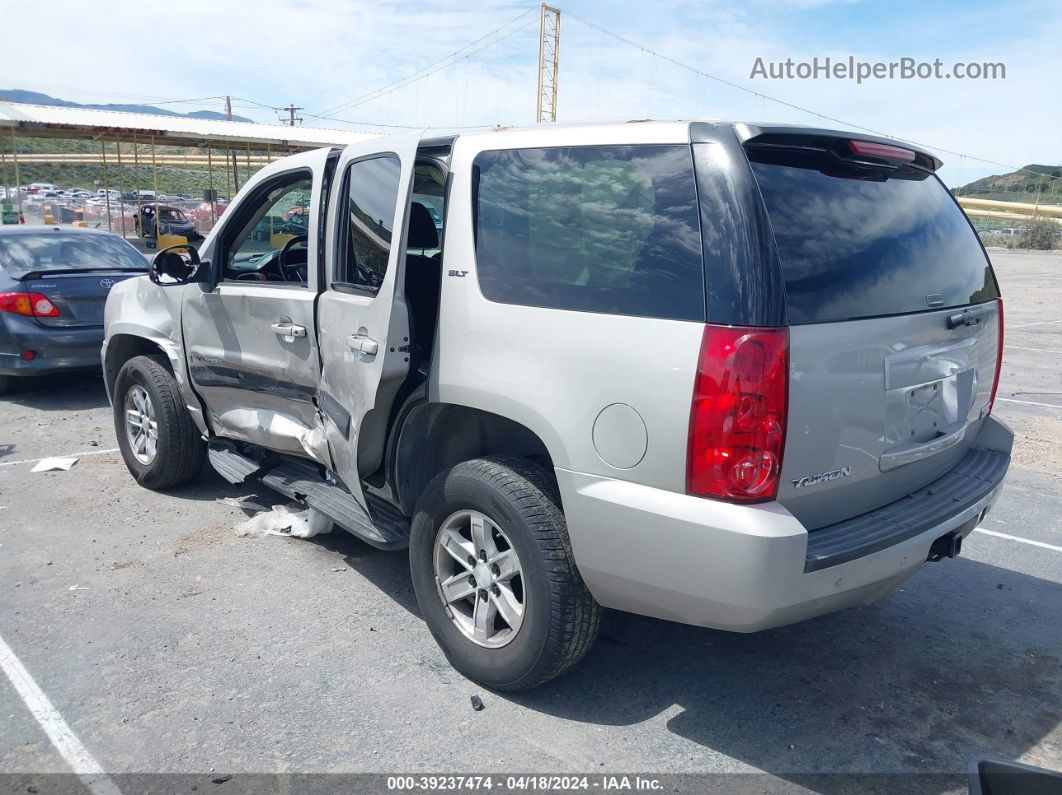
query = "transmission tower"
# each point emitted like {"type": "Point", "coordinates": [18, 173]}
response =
{"type": "Point", "coordinates": [548, 59]}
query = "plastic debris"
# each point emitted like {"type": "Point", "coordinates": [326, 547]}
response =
{"type": "Point", "coordinates": [78, 588]}
{"type": "Point", "coordinates": [58, 463]}
{"type": "Point", "coordinates": [286, 520]}
{"type": "Point", "coordinates": [243, 503]}
{"type": "Point", "coordinates": [477, 703]}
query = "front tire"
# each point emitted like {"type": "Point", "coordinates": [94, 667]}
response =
{"type": "Point", "coordinates": [160, 444]}
{"type": "Point", "coordinates": [494, 574]}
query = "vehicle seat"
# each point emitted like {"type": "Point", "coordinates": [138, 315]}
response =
{"type": "Point", "coordinates": [423, 277]}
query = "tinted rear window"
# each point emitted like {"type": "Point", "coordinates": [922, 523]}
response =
{"type": "Point", "coordinates": [58, 251]}
{"type": "Point", "coordinates": [855, 245]}
{"type": "Point", "coordinates": [611, 229]}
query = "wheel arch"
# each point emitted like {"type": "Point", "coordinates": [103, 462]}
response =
{"type": "Point", "coordinates": [432, 437]}
{"type": "Point", "coordinates": [124, 343]}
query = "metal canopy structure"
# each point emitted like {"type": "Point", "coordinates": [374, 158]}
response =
{"type": "Point", "coordinates": [18, 120]}
{"type": "Point", "coordinates": [50, 121]}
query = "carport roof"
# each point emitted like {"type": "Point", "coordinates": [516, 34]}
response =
{"type": "Point", "coordinates": [51, 121]}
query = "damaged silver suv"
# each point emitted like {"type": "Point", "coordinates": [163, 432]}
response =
{"type": "Point", "coordinates": [724, 374]}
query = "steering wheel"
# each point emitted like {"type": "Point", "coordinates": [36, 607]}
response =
{"type": "Point", "coordinates": [282, 258]}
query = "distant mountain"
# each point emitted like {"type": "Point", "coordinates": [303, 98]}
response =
{"type": "Point", "coordinates": [1023, 185]}
{"type": "Point", "coordinates": [36, 98]}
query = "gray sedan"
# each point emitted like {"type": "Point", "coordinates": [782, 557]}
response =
{"type": "Point", "coordinates": [53, 285]}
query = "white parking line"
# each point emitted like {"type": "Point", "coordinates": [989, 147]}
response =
{"type": "Point", "coordinates": [1029, 403]}
{"type": "Point", "coordinates": [70, 455]}
{"type": "Point", "coordinates": [1020, 540]}
{"type": "Point", "coordinates": [1041, 350]}
{"type": "Point", "coordinates": [62, 737]}
{"type": "Point", "coordinates": [1010, 327]}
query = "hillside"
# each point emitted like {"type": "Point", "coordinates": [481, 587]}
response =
{"type": "Point", "coordinates": [36, 98]}
{"type": "Point", "coordinates": [1019, 186]}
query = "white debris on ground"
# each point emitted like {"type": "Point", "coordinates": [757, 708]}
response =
{"type": "Point", "coordinates": [243, 503]}
{"type": "Point", "coordinates": [285, 520]}
{"type": "Point", "coordinates": [59, 463]}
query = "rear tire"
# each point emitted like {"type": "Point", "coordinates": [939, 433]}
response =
{"type": "Point", "coordinates": [170, 451]}
{"type": "Point", "coordinates": [558, 621]}
{"type": "Point", "coordinates": [5, 384]}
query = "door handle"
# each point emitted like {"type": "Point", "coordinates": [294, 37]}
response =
{"type": "Point", "coordinates": [289, 330]}
{"type": "Point", "coordinates": [362, 343]}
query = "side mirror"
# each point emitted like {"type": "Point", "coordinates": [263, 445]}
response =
{"type": "Point", "coordinates": [178, 264]}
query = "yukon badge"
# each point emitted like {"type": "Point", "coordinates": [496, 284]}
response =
{"type": "Point", "coordinates": [822, 477]}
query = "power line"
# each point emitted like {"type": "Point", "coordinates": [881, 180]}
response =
{"type": "Point", "coordinates": [404, 126]}
{"type": "Point", "coordinates": [414, 76]}
{"type": "Point", "coordinates": [792, 105]}
{"type": "Point", "coordinates": [141, 97]}
{"type": "Point", "coordinates": [187, 101]}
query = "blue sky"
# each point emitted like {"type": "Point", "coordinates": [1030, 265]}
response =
{"type": "Point", "coordinates": [321, 53]}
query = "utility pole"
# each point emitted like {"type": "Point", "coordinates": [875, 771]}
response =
{"type": "Point", "coordinates": [291, 109]}
{"type": "Point", "coordinates": [232, 155]}
{"type": "Point", "coordinates": [548, 62]}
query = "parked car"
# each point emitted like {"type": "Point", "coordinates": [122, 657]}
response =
{"type": "Point", "coordinates": [53, 284]}
{"type": "Point", "coordinates": [202, 215]}
{"type": "Point", "coordinates": [733, 375]}
{"type": "Point", "coordinates": [172, 222]}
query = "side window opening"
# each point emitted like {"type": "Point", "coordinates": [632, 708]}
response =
{"type": "Point", "coordinates": [271, 244]}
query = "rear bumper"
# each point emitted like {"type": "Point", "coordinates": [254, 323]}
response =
{"type": "Point", "coordinates": [738, 567]}
{"type": "Point", "coordinates": [57, 349]}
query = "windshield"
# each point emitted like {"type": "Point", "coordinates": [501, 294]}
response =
{"type": "Point", "coordinates": [52, 252]}
{"type": "Point", "coordinates": [855, 244]}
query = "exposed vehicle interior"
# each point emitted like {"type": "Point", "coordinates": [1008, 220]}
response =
{"type": "Point", "coordinates": [269, 247]}
{"type": "Point", "coordinates": [422, 281]}
{"type": "Point", "coordinates": [423, 277]}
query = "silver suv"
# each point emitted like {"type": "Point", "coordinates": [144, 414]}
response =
{"type": "Point", "coordinates": [731, 375]}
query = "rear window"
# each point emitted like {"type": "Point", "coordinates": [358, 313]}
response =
{"type": "Point", "coordinates": [57, 251]}
{"type": "Point", "coordinates": [609, 229]}
{"type": "Point", "coordinates": [853, 244]}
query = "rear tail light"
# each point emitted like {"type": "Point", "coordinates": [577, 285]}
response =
{"type": "Point", "coordinates": [28, 304]}
{"type": "Point", "coordinates": [999, 357]}
{"type": "Point", "coordinates": [737, 421]}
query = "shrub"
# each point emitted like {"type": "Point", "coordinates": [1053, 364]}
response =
{"type": "Point", "coordinates": [1039, 233]}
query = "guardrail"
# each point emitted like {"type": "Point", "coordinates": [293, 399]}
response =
{"type": "Point", "coordinates": [1009, 211]}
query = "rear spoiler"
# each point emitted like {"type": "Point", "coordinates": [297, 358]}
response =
{"type": "Point", "coordinates": [796, 137]}
{"type": "Point", "coordinates": [34, 275]}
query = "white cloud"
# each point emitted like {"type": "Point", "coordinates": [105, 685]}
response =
{"type": "Point", "coordinates": [319, 54]}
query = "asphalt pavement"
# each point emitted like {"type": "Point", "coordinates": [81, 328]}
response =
{"type": "Point", "coordinates": [168, 644]}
